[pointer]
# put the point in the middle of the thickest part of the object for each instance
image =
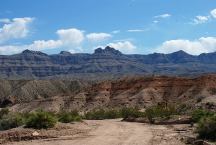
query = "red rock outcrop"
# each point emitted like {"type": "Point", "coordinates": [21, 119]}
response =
{"type": "Point", "coordinates": [135, 91]}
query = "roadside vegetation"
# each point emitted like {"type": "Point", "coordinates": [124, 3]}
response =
{"type": "Point", "coordinates": [10, 120]}
{"type": "Point", "coordinates": [125, 112]}
{"type": "Point", "coordinates": [161, 112]}
{"type": "Point", "coordinates": [206, 124]}
{"type": "Point", "coordinates": [207, 128]}
{"type": "Point", "coordinates": [205, 120]}
{"type": "Point", "coordinates": [39, 119]}
{"type": "Point", "coordinates": [100, 114]}
{"type": "Point", "coordinates": [68, 117]}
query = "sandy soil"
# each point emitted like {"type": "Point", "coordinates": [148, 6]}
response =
{"type": "Point", "coordinates": [114, 132]}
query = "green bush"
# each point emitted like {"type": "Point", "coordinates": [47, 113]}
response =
{"type": "Point", "coordinates": [102, 114]}
{"type": "Point", "coordinates": [95, 115]}
{"type": "Point", "coordinates": [67, 117]}
{"type": "Point", "coordinates": [112, 114]}
{"type": "Point", "coordinates": [198, 114]}
{"type": "Point", "coordinates": [160, 111]}
{"type": "Point", "coordinates": [207, 128]}
{"type": "Point", "coordinates": [150, 113]}
{"type": "Point", "coordinates": [4, 111]}
{"type": "Point", "coordinates": [131, 112]}
{"type": "Point", "coordinates": [41, 120]}
{"type": "Point", "coordinates": [11, 120]}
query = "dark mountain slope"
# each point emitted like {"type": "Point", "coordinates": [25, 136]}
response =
{"type": "Point", "coordinates": [103, 62]}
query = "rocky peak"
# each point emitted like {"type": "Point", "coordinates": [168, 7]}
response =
{"type": "Point", "coordinates": [107, 51]}
{"type": "Point", "coordinates": [65, 53]}
{"type": "Point", "coordinates": [30, 52]}
{"type": "Point", "coordinates": [180, 53]}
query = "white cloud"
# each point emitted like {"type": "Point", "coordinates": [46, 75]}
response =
{"type": "Point", "coordinates": [15, 29]}
{"type": "Point", "coordinates": [10, 49]}
{"type": "Point", "coordinates": [68, 38]}
{"type": "Point", "coordinates": [36, 46]}
{"type": "Point", "coordinates": [115, 31]}
{"type": "Point", "coordinates": [213, 13]}
{"type": "Point", "coordinates": [71, 36]}
{"type": "Point", "coordinates": [136, 30]}
{"type": "Point", "coordinates": [123, 46]}
{"type": "Point", "coordinates": [5, 20]}
{"type": "Point", "coordinates": [163, 16]}
{"type": "Point", "coordinates": [96, 37]}
{"type": "Point", "coordinates": [155, 21]}
{"type": "Point", "coordinates": [42, 44]}
{"type": "Point", "coordinates": [201, 19]}
{"type": "Point", "coordinates": [195, 47]}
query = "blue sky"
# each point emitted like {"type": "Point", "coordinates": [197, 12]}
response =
{"type": "Point", "coordinates": [132, 26]}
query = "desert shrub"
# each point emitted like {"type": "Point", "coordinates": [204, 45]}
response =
{"type": "Point", "coordinates": [11, 120]}
{"type": "Point", "coordinates": [207, 128]}
{"type": "Point", "coordinates": [131, 112]}
{"type": "Point", "coordinates": [4, 111]}
{"type": "Point", "coordinates": [67, 117]}
{"type": "Point", "coordinates": [41, 120]}
{"type": "Point", "coordinates": [151, 114]}
{"type": "Point", "coordinates": [100, 114]}
{"type": "Point", "coordinates": [95, 114]}
{"type": "Point", "coordinates": [184, 108]}
{"type": "Point", "coordinates": [112, 114]}
{"type": "Point", "coordinates": [198, 114]}
{"type": "Point", "coordinates": [160, 111]}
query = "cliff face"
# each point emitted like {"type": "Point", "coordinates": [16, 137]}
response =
{"type": "Point", "coordinates": [147, 91]}
{"type": "Point", "coordinates": [103, 62]}
{"type": "Point", "coordinates": [139, 91]}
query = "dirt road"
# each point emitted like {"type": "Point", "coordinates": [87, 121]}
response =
{"type": "Point", "coordinates": [112, 132]}
{"type": "Point", "coordinates": [108, 132]}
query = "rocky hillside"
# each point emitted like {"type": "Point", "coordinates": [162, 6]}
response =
{"type": "Point", "coordinates": [139, 91]}
{"type": "Point", "coordinates": [102, 63]}
{"type": "Point", "coordinates": [21, 91]}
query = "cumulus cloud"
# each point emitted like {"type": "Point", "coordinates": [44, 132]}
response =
{"type": "Point", "coordinates": [123, 46]}
{"type": "Point", "coordinates": [68, 38]}
{"type": "Point", "coordinates": [201, 19]}
{"type": "Point", "coordinates": [96, 37]}
{"type": "Point", "coordinates": [38, 45]}
{"type": "Point", "coordinates": [42, 44]}
{"type": "Point", "coordinates": [213, 13]}
{"type": "Point", "coordinates": [71, 36]}
{"type": "Point", "coordinates": [195, 47]}
{"type": "Point", "coordinates": [163, 16]}
{"type": "Point", "coordinates": [15, 29]}
{"type": "Point", "coordinates": [10, 49]}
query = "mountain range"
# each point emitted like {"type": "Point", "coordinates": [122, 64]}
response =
{"type": "Point", "coordinates": [103, 62]}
